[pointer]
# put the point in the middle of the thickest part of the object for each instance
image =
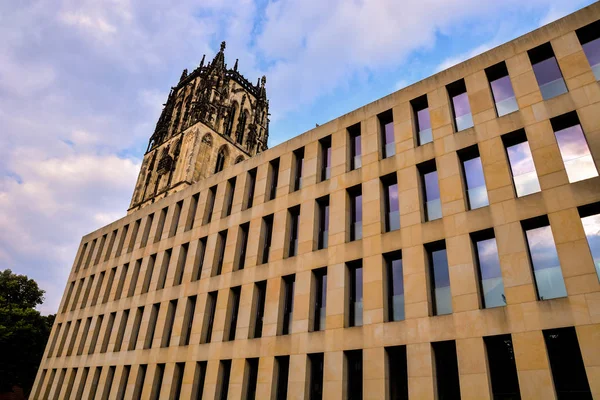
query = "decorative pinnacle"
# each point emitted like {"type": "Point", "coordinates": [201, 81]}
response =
{"type": "Point", "coordinates": [222, 46]}
{"type": "Point", "coordinates": [202, 61]}
{"type": "Point", "coordinates": [235, 67]}
{"type": "Point", "coordinates": [263, 80]}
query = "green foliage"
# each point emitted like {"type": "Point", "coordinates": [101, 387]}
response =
{"type": "Point", "coordinates": [23, 330]}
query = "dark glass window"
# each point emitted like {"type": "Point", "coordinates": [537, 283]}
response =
{"type": "Point", "coordinates": [145, 233]}
{"type": "Point", "coordinates": [211, 307]}
{"type": "Point", "coordinates": [573, 147]}
{"type": "Point", "coordinates": [422, 119]}
{"type": "Point", "coordinates": [355, 272]}
{"type": "Point", "coordinates": [273, 179]}
{"type": "Point", "coordinates": [199, 259]}
{"type": "Point", "coordinates": [164, 270]}
{"type": "Point", "coordinates": [386, 127]}
{"type": "Point", "coordinates": [229, 196]}
{"type": "Point", "coordinates": [503, 370]}
{"type": "Point", "coordinates": [502, 89]}
{"type": "Point", "coordinates": [589, 37]}
{"type": "Point", "coordinates": [199, 377]}
{"type": "Point", "coordinates": [210, 205]}
{"type": "Point", "coordinates": [320, 317]}
{"type": "Point", "coordinates": [178, 380]}
{"type": "Point", "coordinates": [250, 186]}
{"type": "Point", "coordinates": [152, 325]}
{"type": "Point", "coordinates": [354, 374]}
{"type": "Point", "coordinates": [325, 149]}
{"type": "Point", "coordinates": [473, 176]}
{"type": "Point", "coordinates": [168, 329]}
{"type": "Point", "coordinates": [323, 223]}
{"type": "Point", "coordinates": [355, 146]}
{"type": "Point", "coordinates": [220, 161]}
{"type": "Point", "coordinates": [446, 370]}
{"type": "Point", "coordinates": [521, 163]}
{"type": "Point", "coordinates": [316, 376]}
{"type": "Point", "coordinates": [223, 379]}
{"type": "Point", "coordinates": [267, 233]}
{"type": "Point", "coordinates": [243, 244]}
{"type": "Point", "coordinates": [566, 363]}
{"type": "Point", "coordinates": [261, 291]}
{"type": "Point", "coordinates": [391, 205]}
{"type": "Point", "coordinates": [234, 309]}
{"type": "Point", "coordinates": [547, 72]}
{"type": "Point", "coordinates": [283, 371]}
{"type": "Point", "coordinates": [395, 286]}
{"type": "Point", "coordinates": [289, 284]}
{"type": "Point", "coordinates": [220, 253]}
{"type": "Point", "coordinates": [431, 190]}
{"type": "Point", "coordinates": [135, 330]}
{"type": "Point", "coordinates": [461, 109]}
{"type": "Point", "coordinates": [252, 365]}
{"type": "Point", "coordinates": [294, 226]}
{"type": "Point", "coordinates": [544, 258]}
{"type": "Point", "coordinates": [298, 167]}
{"type": "Point", "coordinates": [188, 320]}
{"type": "Point", "coordinates": [397, 372]}
{"type": "Point", "coordinates": [491, 284]}
{"type": "Point", "coordinates": [180, 268]}
{"type": "Point", "coordinates": [439, 278]}
{"type": "Point", "coordinates": [192, 209]}
{"type": "Point", "coordinates": [355, 195]}
{"type": "Point", "coordinates": [590, 219]}
{"type": "Point", "coordinates": [175, 220]}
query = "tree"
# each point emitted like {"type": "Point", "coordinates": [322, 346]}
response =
{"type": "Point", "coordinates": [23, 330]}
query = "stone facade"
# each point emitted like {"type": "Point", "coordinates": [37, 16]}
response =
{"type": "Point", "coordinates": [158, 306]}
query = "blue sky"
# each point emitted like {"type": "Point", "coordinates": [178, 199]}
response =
{"type": "Point", "coordinates": [82, 83]}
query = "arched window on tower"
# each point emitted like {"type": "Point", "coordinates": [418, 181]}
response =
{"type": "Point", "coordinates": [242, 127]}
{"type": "Point", "coordinates": [229, 127]}
{"type": "Point", "coordinates": [220, 161]}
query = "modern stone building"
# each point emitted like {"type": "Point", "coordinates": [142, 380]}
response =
{"type": "Point", "coordinates": [442, 242]}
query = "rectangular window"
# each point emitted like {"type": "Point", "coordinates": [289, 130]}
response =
{"type": "Point", "coordinates": [250, 186]}
{"type": "Point", "coordinates": [472, 171]}
{"type": "Point", "coordinates": [315, 362]}
{"type": "Point", "coordinates": [395, 286]}
{"type": "Point", "coordinates": [134, 277]}
{"type": "Point", "coordinates": [234, 308]}
{"type": "Point", "coordinates": [223, 379]}
{"type": "Point", "coordinates": [109, 283]}
{"type": "Point", "coordinates": [108, 332]}
{"type": "Point", "coordinates": [325, 158]}
{"type": "Point", "coordinates": [164, 269]}
{"type": "Point", "coordinates": [297, 168]}
{"type": "Point", "coordinates": [273, 179]}
{"type": "Point", "coordinates": [220, 253]}
{"type": "Point", "coordinates": [54, 339]}
{"type": "Point", "coordinates": [108, 384]}
{"type": "Point", "coordinates": [199, 259]}
{"type": "Point", "coordinates": [503, 369]}
{"type": "Point", "coordinates": [199, 375]}
{"type": "Point", "coordinates": [242, 246]}
{"type": "Point", "coordinates": [122, 383]}
{"type": "Point", "coordinates": [446, 370]}
{"type": "Point", "coordinates": [502, 90]}
{"type": "Point", "coordinates": [148, 276]}
{"type": "Point", "coordinates": [590, 219]}
{"type": "Point", "coordinates": [121, 282]}
{"type": "Point", "coordinates": [209, 317]}
{"type": "Point", "coordinates": [566, 363]}
{"type": "Point", "coordinates": [355, 292]}
{"type": "Point", "coordinates": [70, 384]}
{"type": "Point", "coordinates": [84, 376]}
{"type": "Point", "coordinates": [192, 209]}
{"type": "Point", "coordinates": [589, 37]}
{"type": "Point", "coordinates": [146, 232]}
{"type": "Point", "coordinates": [386, 129]}
{"type": "Point", "coordinates": [431, 190]}
{"type": "Point", "coordinates": [397, 370]}
{"type": "Point", "coordinates": [229, 197]}
{"type": "Point", "coordinates": [135, 328]}
{"type": "Point", "coordinates": [547, 72]}
{"type": "Point", "coordinates": [100, 248]}
{"type": "Point", "coordinates": [121, 331]}
{"type": "Point", "coordinates": [265, 237]}
{"type": "Point", "coordinates": [391, 205]}
{"type": "Point", "coordinates": [111, 243]}
{"type": "Point", "coordinates": [89, 255]}
{"type": "Point", "coordinates": [74, 336]}
{"type": "Point", "coordinates": [77, 294]}
{"type": "Point", "coordinates": [134, 233]}
{"type": "Point", "coordinates": [175, 220]}
{"type": "Point", "coordinates": [160, 226]}
{"type": "Point", "coordinates": [354, 374]}
{"type": "Point", "coordinates": [355, 197]}
{"type": "Point", "coordinates": [188, 321]}
{"type": "Point", "coordinates": [177, 380]}
{"type": "Point", "coordinates": [88, 288]}
{"type": "Point", "coordinates": [68, 297]}
{"type": "Point", "coordinates": [544, 258]}
{"type": "Point", "coordinates": [289, 284]}
{"type": "Point", "coordinates": [210, 205]}
{"type": "Point", "coordinates": [320, 296]}
{"type": "Point", "coordinates": [63, 339]}
{"type": "Point", "coordinates": [49, 384]}
{"type": "Point", "coordinates": [439, 278]}
{"type": "Point", "coordinates": [573, 147]}
{"type": "Point", "coordinates": [84, 335]}
{"type": "Point", "coordinates": [354, 146]}
{"type": "Point", "coordinates": [461, 109]}
{"type": "Point", "coordinates": [422, 120]}
{"type": "Point", "coordinates": [81, 256]}
{"type": "Point", "coordinates": [283, 371]}
{"type": "Point", "coordinates": [168, 329]}
{"type": "Point", "coordinates": [95, 334]}
{"type": "Point", "coordinates": [252, 380]}
{"type": "Point", "coordinates": [293, 226]}
{"type": "Point", "coordinates": [491, 285]}
{"type": "Point", "coordinates": [322, 222]}
{"type": "Point", "coordinates": [158, 381]}
{"type": "Point", "coordinates": [152, 325]}
{"type": "Point", "coordinates": [260, 291]}
{"type": "Point", "coordinates": [121, 240]}
{"type": "Point", "coordinates": [521, 163]}
{"type": "Point", "coordinates": [95, 381]}
{"type": "Point", "coordinates": [139, 382]}
{"type": "Point", "coordinates": [180, 269]}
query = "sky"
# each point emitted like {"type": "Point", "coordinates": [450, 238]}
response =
{"type": "Point", "coordinates": [82, 83]}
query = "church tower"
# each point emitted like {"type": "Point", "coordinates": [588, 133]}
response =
{"type": "Point", "coordinates": [213, 118]}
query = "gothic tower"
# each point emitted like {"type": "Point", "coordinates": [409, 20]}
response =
{"type": "Point", "coordinates": [213, 118]}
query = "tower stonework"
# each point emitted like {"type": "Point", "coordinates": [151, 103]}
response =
{"type": "Point", "coordinates": [213, 118]}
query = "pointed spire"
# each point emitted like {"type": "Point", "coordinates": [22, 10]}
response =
{"type": "Point", "coordinates": [219, 61]}
{"type": "Point", "coordinates": [235, 66]}
{"type": "Point", "coordinates": [202, 61]}
{"type": "Point", "coordinates": [183, 75]}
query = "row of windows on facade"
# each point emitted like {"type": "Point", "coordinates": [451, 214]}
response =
{"type": "Point", "coordinates": [548, 280]}
{"type": "Point", "coordinates": [563, 352]}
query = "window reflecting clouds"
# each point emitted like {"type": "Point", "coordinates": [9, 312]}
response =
{"type": "Point", "coordinates": [576, 154]}
{"type": "Point", "coordinates": [546, 266]}
{"type": "Point", "coordinates": [591, 226]}
{"type": "Point", "coordinates": [523, 169]}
